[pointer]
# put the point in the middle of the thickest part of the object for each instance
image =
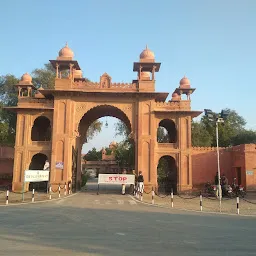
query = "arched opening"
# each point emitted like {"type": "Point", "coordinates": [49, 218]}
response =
{"type": "Point", "coordinates": [104, 152]}
{"type": "Point", "coordinates": [41, 130]}
{"type": "Point", "coordinates": [166, 132]}
{"type": "Point", "coordinates": [167, 174]}
{"type": "Point", "coordinates": [37, 163]}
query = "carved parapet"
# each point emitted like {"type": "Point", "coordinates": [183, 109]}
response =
{"type": "Point", "coordinates": [206, 149]}
{"type": "Point", "coordinates": [166, 146]}
{"type": "Point", "coordinates": [173, 105]}
{"type": "Point", "coordinates": [37, 103]}
{"type": "Point", "coordinates": [85, 84]}
{"type": "Point", "coordinates": [104, 85]}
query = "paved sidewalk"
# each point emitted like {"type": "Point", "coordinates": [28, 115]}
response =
{"type": "Point", "coordinates": [17, 197]}
{"type": "Point", "coordinates": [209, 204]}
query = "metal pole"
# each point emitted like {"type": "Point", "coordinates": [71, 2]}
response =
{"type": "Point", "coordinates": [218, 161]}
{"type": "Point", "coordinates": [23, 187]}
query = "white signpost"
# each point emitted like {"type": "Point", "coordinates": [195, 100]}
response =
{"type": "Point", "coordinates": [34, 176]}
{"type": "Point", "coordinates": [116, 179]}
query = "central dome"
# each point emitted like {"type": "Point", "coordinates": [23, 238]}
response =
{"type": "Point", "coordinates": [66, 52]}
{"type": "Point", "coordinates": [147, 55]}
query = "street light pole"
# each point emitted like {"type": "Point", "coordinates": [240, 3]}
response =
{"type": "Point", "coordinates": [218, 161]}
{"type": "Point", "coordinates": [220, 119]}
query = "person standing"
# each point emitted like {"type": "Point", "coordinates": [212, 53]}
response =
{"type": "Point", "coordinates": [140, 183]}
{"type": "Point", "coordinates": [134, 186]}
{"type": "Point", "coordinates": [123, 185]}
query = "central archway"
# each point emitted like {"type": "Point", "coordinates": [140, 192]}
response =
{"type": "Point", "coordinates": [87, 119]}
{"type": "Point", "coordinates": [101, 111]}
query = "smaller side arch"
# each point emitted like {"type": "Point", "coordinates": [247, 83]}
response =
{"type": "Point", "coordinates": [41, 129]}
{"type": "Point", "coordinates": [37, 163]}
{"type": "Point", "coordinates": [167, 174]}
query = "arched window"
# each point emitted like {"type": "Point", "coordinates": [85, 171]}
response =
{"type": "Point", "coordinates": [167, 174]}
{"type": "Point", "coordinates": [41, 130]}
{"type": "Point", "coordinates": [166, 132]}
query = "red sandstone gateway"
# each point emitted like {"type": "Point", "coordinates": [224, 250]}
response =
{"type": "Point", "coordinates": [52, 125]}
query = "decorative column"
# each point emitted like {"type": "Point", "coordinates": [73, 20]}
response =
{"type": "Point", "coordinates": [57, 70]}
{"type": "Point", "coordinates": [153, 72]}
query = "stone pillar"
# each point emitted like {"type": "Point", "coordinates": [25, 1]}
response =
{"type": "Point", "coordinates": [145, 144]}
{"type": "Point", "coordinates": [62, 139]}
{"type": "Point", "coordinates": [185, 165]}
{"type": "Point", "coordinates": [21, 161]}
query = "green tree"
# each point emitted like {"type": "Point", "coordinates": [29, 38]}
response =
{"type": "Point", "coordinates": [124, 155]}
{"type": "Point", "coordinates": [204, 132]}
{"type": "Point", "coordinates": [94, 129]}
{"type": "Point", "coordinates": [8, 97]}
{"type": "Point", "coordinates": [121, 129]}
{"type": "Point", "coordinates": [244, 137]}
{"type": "Point", "coordinates": [93, 155]}
{"type": "Point", "coordinates": [200, 135]}
{"type": "Point", "coordinates": [125, 151]}
{"type": "Point", "coordinates": [44, 77]}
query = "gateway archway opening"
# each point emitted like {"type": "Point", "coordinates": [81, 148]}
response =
{"type": "Point", "coordinates": [167, 174]}
{"type": "Point", "coordinates": [111, 148]}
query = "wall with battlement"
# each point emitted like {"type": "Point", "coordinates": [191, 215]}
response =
{"type": "Point", "coordinates": [204, 164]}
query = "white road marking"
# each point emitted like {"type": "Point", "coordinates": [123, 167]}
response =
{"type": "Point", "coordinates": [120, 234]}
{"type": "Point", "coordinates": [132, 202]}
{"type": "Point", "coordinates": [96, 201]}
{"type": "Point", "coordinates": [120, 201]}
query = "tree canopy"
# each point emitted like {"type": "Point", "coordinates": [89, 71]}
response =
{"type": "Point", "coordinates": [232, 132]}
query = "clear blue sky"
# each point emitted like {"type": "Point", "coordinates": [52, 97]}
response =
{"type": "Point", "coordinates": [212, 42]}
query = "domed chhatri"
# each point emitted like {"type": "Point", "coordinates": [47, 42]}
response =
{"type": "Point", "coordinates": [147, 55]}
{"type": "Point", "coordinates": [66, 53]}
{"type": "Point", "coordinates": [145, 75]}
{"type": "Point", "coordinates": [184, 83]}
{"type": "Point", "coordinates": [26, 79]}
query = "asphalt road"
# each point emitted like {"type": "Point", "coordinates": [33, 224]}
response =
{"type": "Point", "coordinates": [87, 224]}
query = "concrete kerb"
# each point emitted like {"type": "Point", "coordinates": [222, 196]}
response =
{"type": "Point", "coordinates": [40, 201]}
{"type": "Point", "coordinates": [186, 210]}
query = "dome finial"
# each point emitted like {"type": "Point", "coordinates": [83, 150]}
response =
{"type": "Point", "coordinates": [147, 55]}
{"type": "Point", "coordinates": [66, 53]}
{"type": "Point", "coordinates": [184, 83]}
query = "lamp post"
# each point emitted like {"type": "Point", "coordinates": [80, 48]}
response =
{"type": "Point", "coordinates": [219, 118]}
